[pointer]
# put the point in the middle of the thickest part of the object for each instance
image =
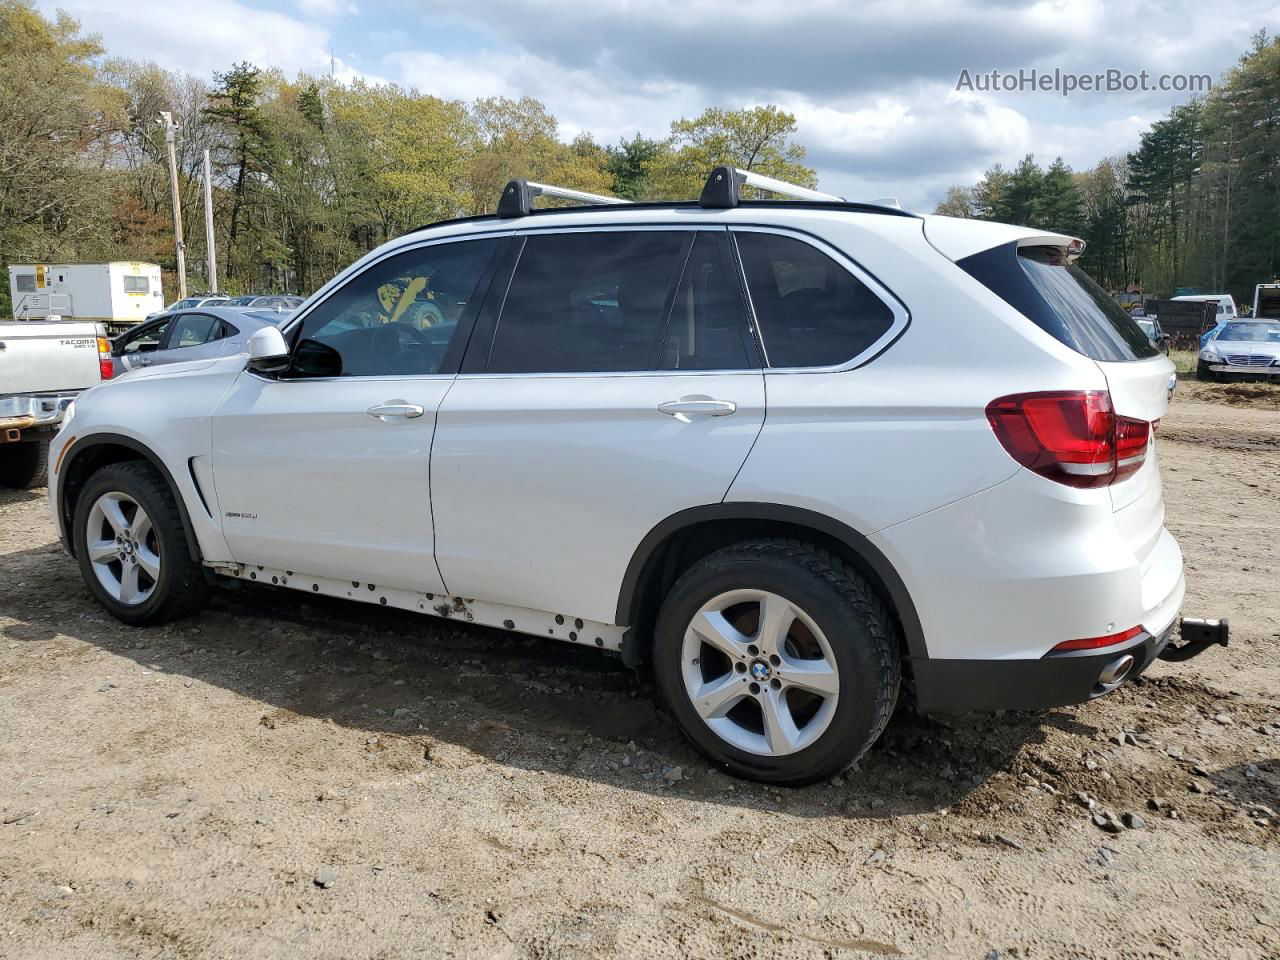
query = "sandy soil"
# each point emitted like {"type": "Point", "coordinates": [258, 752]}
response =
{"type": "Point", "coordinates": [283, 778]}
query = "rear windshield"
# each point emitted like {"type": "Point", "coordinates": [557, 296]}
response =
{"type": "Point", "coordinates": [1061, 299]}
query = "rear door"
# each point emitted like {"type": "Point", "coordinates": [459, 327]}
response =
{"type": "Point", "coordinates": [616, 383]}
{"type": "Point", "coordinates": [193, 336]}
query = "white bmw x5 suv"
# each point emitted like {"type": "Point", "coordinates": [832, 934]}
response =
{"type": "Point", "coordinates": [792, 453]}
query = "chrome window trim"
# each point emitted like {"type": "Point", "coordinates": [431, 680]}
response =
{"type": "Point", "coordinates": [901, 315]}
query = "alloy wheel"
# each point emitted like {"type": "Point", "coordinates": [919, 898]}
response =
{"type": "Point", "coordinates": [122, 546]}
{"type": "Point", "coordinates": [759, 672]}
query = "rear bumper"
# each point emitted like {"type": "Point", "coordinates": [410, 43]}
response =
{"type": "Point", "coordinates": [1054, 680]}
{"type": "Point", "coordinates": [22, 412]}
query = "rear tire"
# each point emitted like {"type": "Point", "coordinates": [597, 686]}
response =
{"type": "Point", "coordinates": [25, 465]}
{"type": "Point", "coordinates": [132, 547]}
{"type": "Point", "coordinates": [802, 673]}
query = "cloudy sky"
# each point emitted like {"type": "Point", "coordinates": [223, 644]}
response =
{"type": "Point", "coordinates": [873, 84]}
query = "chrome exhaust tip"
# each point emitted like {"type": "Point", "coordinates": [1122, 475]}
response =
{"type": "Point", "coordinates": [1115, 671]}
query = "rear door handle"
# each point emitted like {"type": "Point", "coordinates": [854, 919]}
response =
{"type": "Point", "coordinates": [396, 410]}
{"type": "Point", "coordinates": [686, 407]}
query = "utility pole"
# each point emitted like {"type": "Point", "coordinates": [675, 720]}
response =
{"type": "Point", "coordinates": [210, 252]}
{"type": "Point", "coordinates": [166, 119]}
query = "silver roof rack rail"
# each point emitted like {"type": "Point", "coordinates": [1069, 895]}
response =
{"type": "Point", "coordinates": [725, 183]}
{"type": "Point", "coordinates": [517, 197]}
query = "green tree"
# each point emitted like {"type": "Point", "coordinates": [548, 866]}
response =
{"type": "Point", "coordinates": [245, 154]}
{"type": "Point", "coordinates": [58, 122]}
{"type": "Point", "coordinates": [757, 138]}
{"type": "Point", "coordinates": [629, 164]}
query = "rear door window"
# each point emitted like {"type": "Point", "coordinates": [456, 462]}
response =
{"type": "Point", "coordinates": [708, 329]}
{"type": "Point", "coordinates": [193, 329]}
{"type": "Point", "coordinates": [588, 302]}
{"type": "Point", "coordinates": [812, 312]}
{"type": "Point", "coordinates": [1044, 285]}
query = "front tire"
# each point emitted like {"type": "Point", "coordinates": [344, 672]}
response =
{"type": "Point", "coordinates": [132, 548]}
{"type": "Point", "coordinates": [25, 465]}
{"type": "Point", "coordinates": [1204, 373]}
{"type": "Point", "coordinates": [777, 660]}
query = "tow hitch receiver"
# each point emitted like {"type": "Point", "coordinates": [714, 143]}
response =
{"type": "Point", "coordinates": [1198, 635]}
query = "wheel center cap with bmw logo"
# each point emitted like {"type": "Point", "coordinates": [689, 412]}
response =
{"type": "Point", "coordinates": [760, 670]}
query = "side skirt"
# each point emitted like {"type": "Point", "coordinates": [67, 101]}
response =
{"type": "Point", "coordinates": [538, 623]}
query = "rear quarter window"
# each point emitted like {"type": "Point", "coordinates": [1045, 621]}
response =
{"type": "Point", "coordinates": [1061, 299]}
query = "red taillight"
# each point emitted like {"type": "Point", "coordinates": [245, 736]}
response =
{"type": "Point", "coordinates": [1093, 643]}
{"type": "Point", "coordinates": [1073, 437]}
{"type": "Point", "coordinates": [105, 370]}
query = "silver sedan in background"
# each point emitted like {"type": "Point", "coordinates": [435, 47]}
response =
{"type": "Point", "coordinates": [1249, 347]}
{"type": "Point", "coordinates": [200, 334]}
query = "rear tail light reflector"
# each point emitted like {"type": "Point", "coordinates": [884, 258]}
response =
{"type": "Point", "coordinates": [1093, 643]}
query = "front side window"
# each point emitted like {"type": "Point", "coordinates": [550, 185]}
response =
{"type": "Point", "coordinates": [397, 317]}
{"type": "Point", "coordinates": [136, 284]}
{"type": "Point", "coordinates": [590, 302]}
{"type": "Point", "coordinates": [193, 329]}
{"type": "Point", "coordinates": [812, 312]}
{"type": "Point", "coordinates": [144, 339]}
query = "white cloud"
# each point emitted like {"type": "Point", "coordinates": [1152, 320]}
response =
{"type": "Point", "coordinates": [203, 37]}
{"type": "Point", "coordinates": [328, 8]}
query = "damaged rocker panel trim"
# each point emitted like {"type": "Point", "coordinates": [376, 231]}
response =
{"type": "Point", "coordinates": [538, 623]}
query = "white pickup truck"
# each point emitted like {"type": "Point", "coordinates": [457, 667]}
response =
{"type": "Point", "coordinates": [44, 364]}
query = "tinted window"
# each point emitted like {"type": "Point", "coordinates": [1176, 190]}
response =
{"type": "Point", "coordinates": [812, 312]}
{"type": "Point", "coordinates": [397, 317]}
{"type": "Point", "coordinates": [584, 302]}
{"type": "Point", "coordinates": [193, 329]}
{"type": "Point", "coordinates": [708, 328]}
{"type": "Point", "coordinates": [1061, 299]}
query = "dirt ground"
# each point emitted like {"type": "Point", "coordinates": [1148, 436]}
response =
{"type": "Point", "coordinates": [284, 778]}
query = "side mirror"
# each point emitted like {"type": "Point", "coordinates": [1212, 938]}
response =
{"type": "Point", "coordinates": [268, 353]}
{"type": "Point", "coordinates": [315, 359]}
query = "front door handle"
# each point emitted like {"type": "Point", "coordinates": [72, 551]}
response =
{"type": "Point", "coordinates": [396, 410]}
{"type": "Point", "coordinates": [699, 405]}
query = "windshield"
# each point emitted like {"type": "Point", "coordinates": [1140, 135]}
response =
{"type": "Point", "coordinates": [1267, 332]}
{"type": "Point", "coordinates": [1148, 327]}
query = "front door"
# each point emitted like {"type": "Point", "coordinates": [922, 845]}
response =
{"type": "Point", "coordinates": [324, 470]}
{"type": "Point", "coordinates": [619, 384]}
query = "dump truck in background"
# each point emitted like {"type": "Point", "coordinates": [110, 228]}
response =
{"type": "Point", "coordinates": [118, 294]}
{"type": "Point", "coordinates": [1266, 301]}
{"type": "Point", "coordinates": [1184, 320]}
